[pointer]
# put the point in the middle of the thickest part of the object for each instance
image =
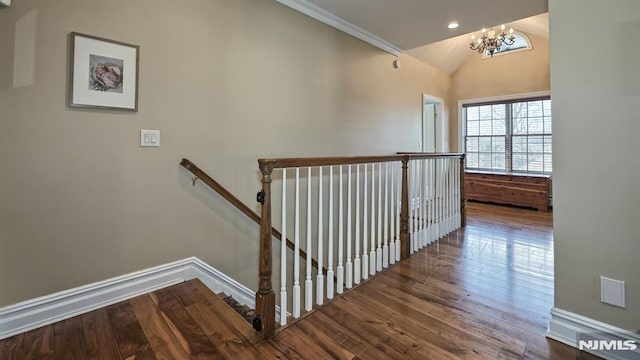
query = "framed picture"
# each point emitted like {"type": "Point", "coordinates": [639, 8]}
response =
{"type": "Point", "coordinates": [104, 73]}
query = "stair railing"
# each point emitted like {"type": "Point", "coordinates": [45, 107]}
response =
{"type": "Point", "coordinates": [199, 174]}
{"type": "Point", "coordinates": [361, 214]}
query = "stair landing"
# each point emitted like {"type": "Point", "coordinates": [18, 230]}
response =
{"type": "Point", "coordinates": [184, 321]}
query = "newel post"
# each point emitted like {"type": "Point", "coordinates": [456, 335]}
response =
{"type": "Point", "coordinates": [265, 297]}
{"type": "Point", "coordinates": [404, 211]}
{"type": "Point", "coordinates": [463, 206]}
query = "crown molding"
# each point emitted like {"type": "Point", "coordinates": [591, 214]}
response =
{"type": "Point", "coordinates": [331, 19]}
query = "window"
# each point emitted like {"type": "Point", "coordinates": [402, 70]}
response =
{"type": "Point", "coordinates": [511, 136]}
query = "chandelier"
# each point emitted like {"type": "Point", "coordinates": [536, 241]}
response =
{"type": "Point", "coordinates": [490, 42]}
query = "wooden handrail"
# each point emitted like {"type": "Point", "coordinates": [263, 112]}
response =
{"type": "Point", "coordinates": [227, 195]}
{"type": "Point", "coordinates": [430, 155]}
{"type": "Point", "coordinates": [281, 163]}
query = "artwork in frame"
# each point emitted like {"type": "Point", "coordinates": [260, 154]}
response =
{"type": "Point", "coordinates": [104, 73]}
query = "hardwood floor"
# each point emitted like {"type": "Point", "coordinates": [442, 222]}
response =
{"type": "Point", "coordinates": [483, 292]}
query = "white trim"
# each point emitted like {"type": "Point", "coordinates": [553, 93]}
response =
{"type": "Point", "coordinates": [45, 310]}
{"type": "Point", "coordinates": [461, 123]}
{"type": "Point", "coordinates": [219, 282]}
{"type": "Point", "coordinates": [565, 327]}
{"type": "Point", "coordinates": [339, 23]}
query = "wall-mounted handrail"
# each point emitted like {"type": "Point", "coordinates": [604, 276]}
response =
{"type": "Point", "coordinates": [227, 195]}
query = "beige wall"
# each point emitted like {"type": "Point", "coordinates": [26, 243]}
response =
{"type": "Point", "coordinates": [226, 82]}
{"type": "Point", "coordinates": [517, 73]}
{"type": "Point", "coordinates": [596, 102]}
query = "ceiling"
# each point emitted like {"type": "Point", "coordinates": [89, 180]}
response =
{"type": "Point", "coordinates": [448, 55]}
{"type": "Point", "coordinates": [409, 25]}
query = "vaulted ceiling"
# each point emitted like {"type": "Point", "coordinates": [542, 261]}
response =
{"type": "Point", "coordinates": [419, 27]}
{"type": "Point", "coordinates": [448, 55]}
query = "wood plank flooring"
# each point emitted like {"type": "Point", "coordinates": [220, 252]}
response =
{"type": "Point", "coordinates": [483, 292]}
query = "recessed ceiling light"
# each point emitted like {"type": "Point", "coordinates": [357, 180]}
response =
{"type": "Point", "coordinates": [453, 25]}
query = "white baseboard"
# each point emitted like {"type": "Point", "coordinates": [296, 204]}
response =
{"type": "Point", "coordinates": [219, 282]}
{"type": "Point", "coordinates": [566, 326]}
{"type": "Point", "coordinates": [35, 313]}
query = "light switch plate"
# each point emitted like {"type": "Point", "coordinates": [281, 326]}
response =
{"type": "Point", "coordinates": [149, 138]}
{"type": "Point", "coordinates": [5, 2]}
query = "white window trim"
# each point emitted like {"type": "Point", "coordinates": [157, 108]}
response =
{"type": "Point", "coordinates": [461, 123]}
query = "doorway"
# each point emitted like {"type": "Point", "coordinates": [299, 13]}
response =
{"type": "Point", "coordinates": [434, 129]}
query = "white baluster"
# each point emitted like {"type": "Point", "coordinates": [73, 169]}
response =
{"type": "Point", "coordinates": [365, 228]}
{"type": "Point", "coordinates": [372, 253]}
{"type": "Point", "coordinates": [450, 206]}
{"type": "Point", "coordinates": [444, 197]}
{"type": "Point", "coordinates": [430, 197]}
{"type": "Point", "coordinates": [411, 203]}
{"type": "Point", "coordinates": [349, 264]}
{"type": "Point", "coordinates": [454, 194]}
{"type": "Point", "coordinates": [392, 218]}
{"type": "Point", "coordinates": [356, 261]}
{"type": "Point", "coordinates": [416, 205]}
{"type": "Point", "coordinates": [308, 284]}
{"type": "Point", "coordinates": [296, 251]}
{"type": "Point", "coordinates": [443, 230]}
{"type": "Point", "coordinates": [385, 246]}
{"type": "Point", "coordinates": [454, 202]}
{"type": "Point", "coordinates": [434, 208]}
{"type": "Point", "coordinates": [340, 268]}
{"type": "Point", "coordinates": [398, 200]}
{"type": "Point", "coordinates": [423, 186]}
{"type": "Point", "coordinates": [419, 194]}
{"type": "Point", "coordinates": [421, 240]}
{"type": "Point", "coordinates": [320, 275]}
{"type": "Point", "coordinates": [437, 198]}
{"type": "Point", "coordinates": [283, 253]}
{"type": "Point", "coordinates": [459, 195]}
{"type": "Point", "coordinates": [427, 199]}
{"type": "Point", "coordinates": [330, 278]}
{"type": "Point", "coordinates": [449, 197]}
{"type": "Point", "coordinates": [379, 248]}
{"type": "Point", "coordinates": [440, 202]}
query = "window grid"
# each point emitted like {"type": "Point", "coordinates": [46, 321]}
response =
{"type": "Point", "coordinates": [511, 136]}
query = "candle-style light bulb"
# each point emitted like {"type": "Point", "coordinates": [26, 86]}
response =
{"type": "Point", "coordinates": [502, 27]}
{"type": "Point", "coordinates": [511, 31]}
